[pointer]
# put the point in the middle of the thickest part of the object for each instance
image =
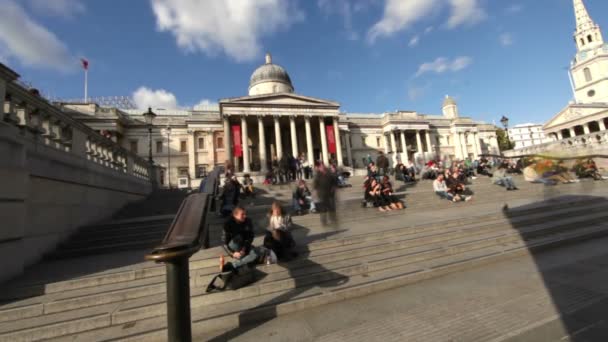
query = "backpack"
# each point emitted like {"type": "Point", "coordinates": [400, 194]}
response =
{"type": "Point", "coordinates": [233, 280]}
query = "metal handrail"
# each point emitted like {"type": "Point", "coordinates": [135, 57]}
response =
{"type": "Point", "coordinates": [544, 156]}
{"type": "Point", "coordinates": [187, 234]}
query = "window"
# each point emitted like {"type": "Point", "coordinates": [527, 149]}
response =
{"type": "Point", "coordinates": [582, 42]}
{"type": "Point", "coordinates": [220, 142]}
{"type": "Point", "coordinates": [378, 140]}
{"type": "Point", "coordinates": [182, 146]}
{"type": "Point", "coordinates": [182, 172]}
{"type": "Point", "coordinates": [201, 143]}
{"type": "Point", "coordinates": [159, 146]}
{"type": "Point", "coordinates": [201, 171]}
{"type": "Point", "coordinates": [133, 146]}
{"type": "Point", "coordinates": [589, 38]}
{"type": "Point", "coordinates": [587, 72]}
{"type": "Point", "coordinates": [363, 141]}
{"type": "Point", "coordinates": [591, 93]}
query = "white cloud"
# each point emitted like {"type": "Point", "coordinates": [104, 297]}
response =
{"type": "Point", "coordinates": [58, 8]}
{"type": "Point", "coordinates": [202, 104]}
{"type": "Point", "coordinates": [232, 27]}
{"type": "Point", "coordinates": [345, 9]}
{"type": "Point", "coordinates": [506, 39]}
{"type": "Point", "coordinates": [30, 43]}
{"type": "Point", "coordinates": [428, 30]}
{"type": "Point", "coordinates": [442, 64]}
{"type": "Point", "coordinates": [160, 98]}
{"type": "Point", "coordinates": [401, 14]}
{"type": "Point", "coordinates": [414, 41]}
{"type": "Point", "coordinates": [465, 12]}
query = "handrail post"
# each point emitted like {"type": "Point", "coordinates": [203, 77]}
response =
{"type": "Point", "coordinates": [179, 327]}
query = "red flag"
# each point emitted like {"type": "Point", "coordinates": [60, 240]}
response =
{"type": "Point", "coordinates": [236, 141]}
{"type": "Point", "coordinates": [331, 139]}
{"type": "Point", "coordinates": [85, 64]}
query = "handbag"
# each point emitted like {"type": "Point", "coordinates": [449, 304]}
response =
{"type": "Point", "coordinates": [232, 280]}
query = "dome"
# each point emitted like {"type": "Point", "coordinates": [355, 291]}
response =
{"type": "Point", "coordinates": [449, 101]}
{"type": "Point", "coordinates": [269, 78]}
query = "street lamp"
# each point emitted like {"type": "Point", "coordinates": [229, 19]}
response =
{"type": "Point", "coordinates": [505, 123]}
{"type": "Point", "coordinates": [149, 117]}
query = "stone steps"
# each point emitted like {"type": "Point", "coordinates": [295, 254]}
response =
{"type": "Point", "coordinates": [318, 276]}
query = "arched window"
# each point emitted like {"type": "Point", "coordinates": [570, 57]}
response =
{"type": "Point", "coordinates": [587, 73]}
{"type": "Point", "coordinates": [589, 38]}
{"type": "Point", "coordinates": [582, 42]}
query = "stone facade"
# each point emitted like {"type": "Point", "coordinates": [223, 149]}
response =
{"type": "Point", "coordinates": [526, 135]}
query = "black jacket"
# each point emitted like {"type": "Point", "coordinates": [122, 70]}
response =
{"type": "Point", "coordinates": [241, 233]}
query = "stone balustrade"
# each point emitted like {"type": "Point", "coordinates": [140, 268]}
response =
{"type": "Point", "coordinates": [56, 174]}
{"type": "Point", "coordinates": [592, 143]}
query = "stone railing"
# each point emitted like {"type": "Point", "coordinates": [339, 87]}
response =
{"type": "Point", "coordinates": [56, 174]}
{"type": "Point", "coordinates": [591, 143]}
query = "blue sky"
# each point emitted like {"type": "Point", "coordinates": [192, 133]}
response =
{"type": "Point", "coordinates": [496, 57]}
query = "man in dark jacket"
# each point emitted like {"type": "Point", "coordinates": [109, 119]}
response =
{"type": "Point", "coordinates": [325, 184]}
{"type": "Point", "coordinates": [382, 164]}
{"type": "Point", "coordinates": [238, 237]}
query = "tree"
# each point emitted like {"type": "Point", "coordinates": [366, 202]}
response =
{"type": "Point", "coordinates": [504, 143]}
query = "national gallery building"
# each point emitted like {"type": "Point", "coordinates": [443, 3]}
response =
{"type": "Point", "coordinates": [272, 121]}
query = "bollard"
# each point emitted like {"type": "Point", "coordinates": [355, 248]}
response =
{"type": "Point", "coordinates": [179, 327]}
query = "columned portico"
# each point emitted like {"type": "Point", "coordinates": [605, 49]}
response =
{"type": "Point", "coordinates": [393, 147]}
{"type": "Point", "coordinates": [294, 137]}
{"type": "Point", "coordinates": [572, 132]}
{"type": "Point", "coordinates": [419, 145]}
{"type": "Point", "coordinates": [586, 128]}
{"type": "Point", "coordinates": [386, 150]}
{"type": "Point", "coordinates": [476, 144]}
{"type": "Point", "coordinates": [602, 125]}
{"type": "Point", "coordinates": [227, 138]}
{"type": "Point", "coordinates": [349, 153]}
{"type": "Point", "coordinates": [427, 135]}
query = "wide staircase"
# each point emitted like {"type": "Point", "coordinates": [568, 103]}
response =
{"type": "Point", "coordinates": [113, 295]}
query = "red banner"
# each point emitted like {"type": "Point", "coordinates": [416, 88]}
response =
{"type": "Point", "coordinates": [331, 139]}
{"type": "Point", "coordinates": [236, 141]}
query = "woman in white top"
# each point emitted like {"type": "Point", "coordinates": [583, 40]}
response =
{"type": "Point", "coordinates": [277, 219]}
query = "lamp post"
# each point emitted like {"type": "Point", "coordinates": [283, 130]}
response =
{"type": "Point", "coordinates": [505, 123]}
{"type": "Point", "coordinates": [149, 117]}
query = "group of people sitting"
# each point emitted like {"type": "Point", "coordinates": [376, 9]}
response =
{"type": "Point", "coordinates": [378, 190]}
{"type": "Point", "coordinates": [451, 185]}
{"type": "Point", "coordinates": [552, 172]}
{"type": "Point", "coordinates": [239, 233]}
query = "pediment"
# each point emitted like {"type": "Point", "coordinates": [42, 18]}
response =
{"type": "Point", "coordinates": [573, 113]}
{"type": "Point", "coordinates": [286, 99]}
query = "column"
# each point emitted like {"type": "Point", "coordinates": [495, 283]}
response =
{"type": "Point", "coordinates": [476, 145]}
{"type": "Point", "coordinates": [419, 145]}
{"type": "Point", "coordinates": [427, 135]}
{"type": "Point", "coordinates": [602, 125]}
{"type": "Point", "coordinates": [294, 138]}
{"type": "Point", "coordinates": [277, 137]}
{"type": "Point", "coordinates": [227, 140]}
{"type": "Point", "coordinates": [191, 155]}
{"type": "Point", "coordinates": [311, 159]}
{"type": "Point", "coordinates": [385, 138]}
{"type": "Point", "coordinates": [559, 135]}
{"type": "Point", "coordinates": [457, 149]}
{"type": "Point", "coordinates": [349, 154]}
{"type": "Point", "coordinates": [586, 128]}
{"type": "Point", "coordinates": [393, 147]}
{"type": "Point", "coordinates": [245, 144]}
{"type": "Point", "coordinates": [323, 141]}
{"type": "Point", "coordinates": [338, 142]}
{"type": "Point", "coordinates": [572, 133]}
{"type": "Point", "coordinates": [262, 138]}
{"type": "Point", "coordinates": [404, 157]}
{"type": "Point", "coordinates": [463, 145]}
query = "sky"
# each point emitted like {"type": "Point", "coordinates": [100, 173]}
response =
{"type": "Point", "coordinates": [495, 57]}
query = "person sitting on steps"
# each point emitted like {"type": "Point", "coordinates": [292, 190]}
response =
{"type": "Point", "coordinates": [441, 189]}
{"type": "Point", "coordinates": [302, 199]}
{"type": "Point", "coordinates": [457, 188]}
{"type": "Point", "coordinates": [389, 196]}
{"type": "Point", "coordinates": [248, 190]}
{"type": "Point", "coordinates": [373, 195]}
{"type": "Point", "coordinates": [238, 237]}
{"type": "Point", "coordinates": [501, 178]}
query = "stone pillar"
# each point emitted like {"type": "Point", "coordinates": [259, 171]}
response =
{"type": "Point", "coordinates": [602, 125]}
{"type": "Point", "coordinates": [324, 153]}
{"type": "Point", "coordinates": [427, 135]}
{"type": "Point", "coordinates": [559, 135]}
{"type": "Point", "coordinates": [419, 146]}
{"type": "Point", "coordinates": [404, 157]}
{"type": "Point", "coordinates": [586, 128]}
{"type": "Point", "coordinates": [191, 155]}
{"type": "Point", "coordinates": [386, 150]}
{"type": "Point", "coordinates": [393, 147]}
{"type": "Point", "coordinates": [262, 142]}
{"type": "Point", "coordinates": [476, 145]}
{"type": "Point", "coordinates": [464, 144]}
{"type": "Point", "coordinates": [294, 137]}
{"type": "Point", "coordinates": [245, 144]}
{"type": "Point", "coordinates": [277, 137]}
{"type": "Point", "coordinates": [572, 133]}
{"type": "Point", "coordinates": [338, 142]}
{"type": "Point", "coordinates": [349, 154]}
{"type": "Point", "coordinates": [227, 140]}
{"type": "Point", "coordinates": [311, 159]}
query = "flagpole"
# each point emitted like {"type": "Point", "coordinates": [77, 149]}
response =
{"type": "Point", "coordinates": [86, 81]}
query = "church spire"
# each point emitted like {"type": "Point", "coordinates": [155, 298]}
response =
{"type": "Point", "coordinates": [588, 34]}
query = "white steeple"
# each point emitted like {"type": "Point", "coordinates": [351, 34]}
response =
{"type": "Point", "coordinates": [588, 34]}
